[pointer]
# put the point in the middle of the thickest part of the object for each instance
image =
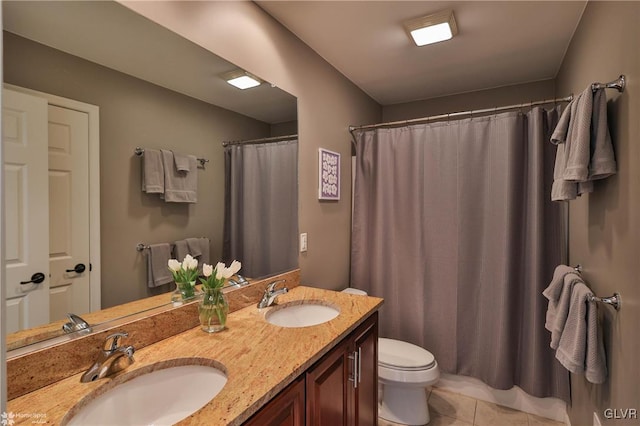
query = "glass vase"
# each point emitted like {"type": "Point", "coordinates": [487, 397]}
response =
{"type": "Point", "coordinates": [213, 310]}
{"type": "Point", "coordinates": [184, 291]}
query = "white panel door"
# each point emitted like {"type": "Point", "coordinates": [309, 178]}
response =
{"type": "Point", "coordinates": [68, 212]}
{"type": "Point", "coordinates": [24, 139]}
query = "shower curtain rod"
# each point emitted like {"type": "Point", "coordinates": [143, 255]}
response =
{"type": "Point", "coordinates": [618, 84]}
{"type": "Point", "coordinates": [261, 140]}
{"type": "Point", "coordinates": [458, 114]}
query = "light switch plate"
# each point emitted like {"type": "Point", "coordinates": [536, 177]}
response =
{"type": "Point", "coordinates": [303, 242]}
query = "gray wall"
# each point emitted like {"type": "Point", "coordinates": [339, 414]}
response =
{"type": "Point", "coordinates": [328, 103]}
{"type": "Point", "coordinates": [490, 98]}
{"type": "Point", "coordinates": [136, 113]}
{"type": "Point", "coordinates": [604, 226]}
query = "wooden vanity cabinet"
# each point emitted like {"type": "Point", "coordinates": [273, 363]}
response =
{"type": "Point", "coordinates": [341, 389]}
{"type": "Point", "coordinates": [286, 409]}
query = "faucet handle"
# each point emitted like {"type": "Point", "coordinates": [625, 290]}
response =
{"type": "Point", "coordinates": [272, 285]}
{"type": "Point", "coordinates": [114, 340]}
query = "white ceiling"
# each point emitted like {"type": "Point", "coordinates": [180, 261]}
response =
{"type": "Point", "coordinates": [498, 43]}
{"type": "Point", "coordinates": [111, 35]}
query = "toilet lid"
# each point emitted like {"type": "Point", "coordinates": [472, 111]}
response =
{"type": "Point", "coordinates": [401, 355]}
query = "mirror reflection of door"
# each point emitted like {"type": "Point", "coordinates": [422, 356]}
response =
{"type": "Point", "coordinates": [68, 212]}
{"type": "Point", "coordinates": [24, 139]}
{"type": "Point", "coordinates": [64, 230]}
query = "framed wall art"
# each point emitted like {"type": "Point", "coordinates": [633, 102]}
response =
{"type": "Point", "coordinates": [328, 175]}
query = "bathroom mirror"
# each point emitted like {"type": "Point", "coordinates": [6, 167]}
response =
{"type": "Point", "coordinates": [154, 89]}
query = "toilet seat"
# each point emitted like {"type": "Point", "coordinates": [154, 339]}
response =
{"type": "Point", "coordinates": [403, 356]}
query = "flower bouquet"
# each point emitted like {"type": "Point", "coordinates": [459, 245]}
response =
{"type": "Point", "coordinates": [213, 308]}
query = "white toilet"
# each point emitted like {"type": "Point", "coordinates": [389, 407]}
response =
{"type": "Point", "coordinates": [404, 372]}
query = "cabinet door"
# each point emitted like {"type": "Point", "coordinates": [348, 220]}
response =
{"type": "Point", "coordinates": [328, 387]}
{"type": "Point", "coordinates": [286, 409]}
{"type": "Point", "coordinates": [365, 394]}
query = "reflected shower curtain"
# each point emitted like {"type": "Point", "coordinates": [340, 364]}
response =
{"type": "Point", "coordinates": [261, 207]}
{"type": "Point", "coordinates": [454, 227]}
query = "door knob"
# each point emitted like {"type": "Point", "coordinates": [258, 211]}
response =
{"type": "Point", "coordinates": [78, 269]}
{"type": "Point", "coordinates": [36, 278]}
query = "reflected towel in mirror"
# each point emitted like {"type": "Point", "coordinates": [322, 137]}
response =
{"type": "Point", "coordinates": [158, 273]}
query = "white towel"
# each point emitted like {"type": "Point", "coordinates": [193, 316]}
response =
{"type": "Point", "coordinates": [581, 350]}
{"type": "Point", "coordinates": [179, 187]}
{"type": "Point", "coordinates": [152, 172]}
{"type": "Point", "coordinates": [158, 256]}
{"type": "Point", "coordinates": [559, 294]}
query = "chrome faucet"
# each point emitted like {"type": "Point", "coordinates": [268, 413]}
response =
{"type": "Point", "coordinates": [76, 323]}
{"type": "Point", "coordinates": [270, 294]}
{"type": "Point", "coordinates": [107, 361]}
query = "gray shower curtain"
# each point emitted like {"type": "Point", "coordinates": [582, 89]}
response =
{"type": "Point", "coordinates": [454, 227]}
{"type": "Point", "coordinates": [261, 207]}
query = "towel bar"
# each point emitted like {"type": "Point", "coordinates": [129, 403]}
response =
{"type": "Point", "coordinates": [618, 84]}
{"type": "Point", "coordinates": [614, 300]}
{"type": "Point", "coordinates": [611, 300]}
{"type": "Point", "coordinates": [141, 247]}
{"type": "Point", "coordinates": [140, 152]}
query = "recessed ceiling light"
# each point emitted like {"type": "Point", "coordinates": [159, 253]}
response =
{"type": "Point", "coordinates": [432, 28]}
{"type": "Point", "coordinates": [241, 79]}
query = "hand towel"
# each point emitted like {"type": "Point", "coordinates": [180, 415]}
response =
{"type": "Point", "coordinates": [152, 172]}
{"type": "Point", "coordinates": [581, 350]}
{"type": "Point", "coordinates": [179, 187]}
{"type": "Point", "coordinates": [602, 163]}
{"type": "Point", "coordinates": [194, 246]}
{"type": "Point", "coordinates": [182, 162]}
{"type": "Point", "coordinates": [584, 152]}
{"type": "Point", "coordinates": [559, 295]}
{"type": "Point", "coordinates": [158, 273]}
{"type": "Point", "coordinates": [180, 250]}
{"type": "Point", "coordinates": [199, 249]}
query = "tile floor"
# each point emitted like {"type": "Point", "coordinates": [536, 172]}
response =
{"type": "Point", "coordinates": [452, 409]}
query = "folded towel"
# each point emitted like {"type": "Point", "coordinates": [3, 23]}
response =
{"type": "Point", "coordinates": [179, 187]}
{"type": "Point", "coordinates": [180, 250]}
{"type": "Point", "coordinates": [584, 152]}
{"type": "Point", "coordinates": [157, 265]}
{"type": "Point", "coordinates": [194, 246]}
{"type": "Point", "coordinates": [152, 172]}
{"type": "Point", "coordinates": [581, 350]}
{"type": "Point", "coordinates": [199, 249]}
{"type": "Point", "coordinates": [559, 295]}
{"type": "Point", "coordinates": [602, 163]}
{"type": "Point", "coordinates": [182, 162]}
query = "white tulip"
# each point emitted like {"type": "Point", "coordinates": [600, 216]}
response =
{"type": "Point", "coordinates": [207, 270]}
{"type": "Point", "coordinates": [189, 262]}
{"type": "Point", "coordinates": [235, 267]}
{"type": "Point", "coordinates": [220, 270]}
{"type": "Point", "coordinates": [174, 265]}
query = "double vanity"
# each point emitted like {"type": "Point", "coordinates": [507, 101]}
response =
{"type": "Point", "coordinates": [311, 355]}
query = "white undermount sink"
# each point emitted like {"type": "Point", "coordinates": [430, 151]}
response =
{"type": "Point", "coordinates": [296, 314]}
{"type": "Point", "coordinates": [159, 397]}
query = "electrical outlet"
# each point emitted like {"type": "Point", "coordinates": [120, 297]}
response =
{"type": "Point", "coordinates": [596, 419]}
{"type": "Point", "coordinates": [303, 242]}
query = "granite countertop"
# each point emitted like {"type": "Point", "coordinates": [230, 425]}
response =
{"type": "Point", "coordinates": [261, 359]}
